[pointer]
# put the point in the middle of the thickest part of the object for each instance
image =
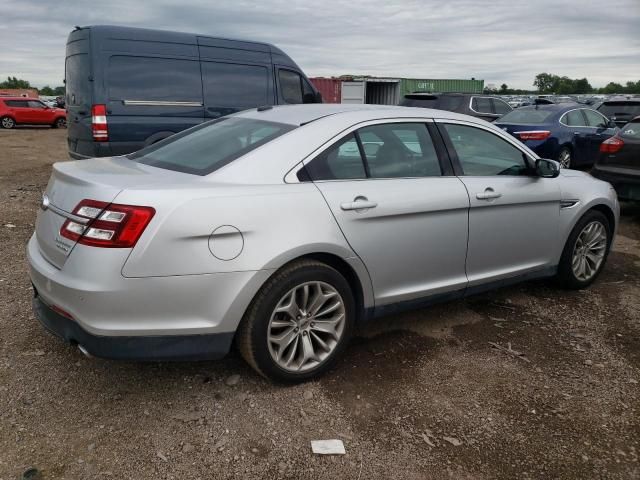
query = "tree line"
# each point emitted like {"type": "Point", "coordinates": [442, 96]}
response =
{"type": "Point", "coordinates": [19, 84]}
{"type": "Point", "coordinates": [548, 83]}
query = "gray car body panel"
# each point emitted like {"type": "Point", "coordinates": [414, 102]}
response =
{"type": "Point", "coordinates": [216, 239]}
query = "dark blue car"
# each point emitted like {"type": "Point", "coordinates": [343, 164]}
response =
{"type": "Point", "coordinates": [569, 133]}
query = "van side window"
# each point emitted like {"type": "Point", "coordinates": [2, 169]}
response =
{"type": "Point", "coordinates": [235, 86]}
{"type": "Point", "coordinates": [154, 79]}
{"type": "Point", "coordinates": [290, 86]}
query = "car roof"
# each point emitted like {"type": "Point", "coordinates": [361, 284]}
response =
{"type": "Point", "coordinates": [307, 113]}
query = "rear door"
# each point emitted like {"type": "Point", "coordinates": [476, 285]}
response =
{"type": "Point", "coordinates": [399, 207]}
{"type": "Point", "coordinates": [19, 109]}
{"type": "Point", "coordinates": [514, 215]}
{"type": "Point", "coordinates": [580, 133]}
{"type": "Point", "coordinates": [599, 132]}
{"type": "Point", "coordinates": [79, 93]}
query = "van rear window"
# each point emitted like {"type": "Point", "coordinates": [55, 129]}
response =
{"type": "Point", "coordinates": [209, 146]}
{"type": "Point", "coordinates": [154, 79]}
{"type": "Point", "coordinates": [77, 86]}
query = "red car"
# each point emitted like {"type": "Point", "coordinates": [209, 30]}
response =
{"type": "Point", "coordinates": [29, 111]}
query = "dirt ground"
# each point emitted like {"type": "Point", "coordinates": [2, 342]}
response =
{"type": "Point", "coordinates": [423, 396]}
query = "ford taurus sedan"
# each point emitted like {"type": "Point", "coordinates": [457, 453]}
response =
{"type": "Point", "coordinates": [284, 229]}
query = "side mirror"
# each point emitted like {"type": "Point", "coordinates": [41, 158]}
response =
{"type": "Point", "coordinates": [547, 168]}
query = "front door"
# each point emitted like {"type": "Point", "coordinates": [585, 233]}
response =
{"type": "Point", "coordinates": [513, 215]}
{"type": "Point", "coordinates": [407, 222]}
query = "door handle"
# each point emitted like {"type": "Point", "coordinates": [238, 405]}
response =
{"type": "Point", "coordinates": [489, 194]}
{"type": "Point", "coordinates": [359, 203]}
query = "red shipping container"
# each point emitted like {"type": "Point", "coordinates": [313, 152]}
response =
{"type": "Point", "coordinates": [329, 88]}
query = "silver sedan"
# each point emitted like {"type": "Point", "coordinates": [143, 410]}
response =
{"type": "Point", "coordinates": [284, 229]}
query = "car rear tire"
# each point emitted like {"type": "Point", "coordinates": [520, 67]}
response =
{"type": "Point", "coordinates": [7, 122]}
{"type": "Point", "coordinates": [299, 323]}
{"type": "Point", "coordinates": [60, 123]}
{"type": "Point", "coordinates": [585, 252]}
{"type": "Point", "coordinates": [564, 158]}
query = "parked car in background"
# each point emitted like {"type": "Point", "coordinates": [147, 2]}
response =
{"type": "Point", "coordinates": [127, 88]}
{"type": "Point", "coordinates": [620, 111]}
{"type": "Point", "coordinates": [568, 133]}
{"type": "Point", "coordinates": [273, 228]}
{"type": "Point", "coordinates": [619, 162]}
{"type": "Point", "coordinates": [28, 111]}
{"type": "Point", "coordinates": [482, 106]}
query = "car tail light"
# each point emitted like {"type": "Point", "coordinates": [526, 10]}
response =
{"type": "Point", "coordinates": [110, 225]}
{"type": "Point", "coordinates": [99, 123]}
{"type": "Point", "coordinates": [533, 135]}
{"type": "Point", "coordinates": [611, 145]}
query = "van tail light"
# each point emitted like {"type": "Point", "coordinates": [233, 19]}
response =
{"type": "Point", "coordinates": [533, 135]}
{"type": "Point", "coordinates": [110, 225]}
{"type": "Point", "coordinates": [99, 123]}
{"type": "Point", "coordinates": [611, 145]}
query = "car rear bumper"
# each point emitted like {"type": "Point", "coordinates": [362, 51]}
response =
{"type": "Point", "coordinates": [626, 181]}
{"type": "Point", "coordinates": [149, 348]}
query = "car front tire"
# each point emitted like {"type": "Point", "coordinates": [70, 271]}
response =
{"type": "Point", "coordinates": [299, 323]}
{"type": "Point", "coordinates": [60, 123]}
{"type": "Point", "coordinates": [7, 122]}
{"type": "Point", "coordinates": [585, 252]}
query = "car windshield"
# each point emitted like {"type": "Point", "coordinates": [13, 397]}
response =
{"type": "Point", "coordinates": [526, 117]}
{"type": "Point", "coordinates": [209, 146]}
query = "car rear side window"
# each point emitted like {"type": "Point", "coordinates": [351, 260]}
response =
{"type": "Point", "coordinates": [16, 103]}
{"type": "Point", "coordinates": [482, 153]}
{"type": "Point", "coordinates": [573, 118]}
{"type": "Point", "coordinates": [481, 104]}
{"type": "Point", "coordinates": [209, 146]}
{"type": "Point", "coordinates": [154, 79]}
{"type": "Point", "coordinates": [397, 150]}
{"type": "Point", "coordinates": [233, 85]}
{"type": "Point", "coordinates": [594, 119]}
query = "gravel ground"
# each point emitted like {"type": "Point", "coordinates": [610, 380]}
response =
{"type": "Point", "coordinates": [423, 395]}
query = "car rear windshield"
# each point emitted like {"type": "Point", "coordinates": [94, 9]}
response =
{"type": "Point", "coordinates": [207, 147]}
{"type": "Point", "coordinates": [526, 117]}
{"type": "Point", "coordinates": [620, 109]}
{"type": "Point", "coordinates": [631, 130]}
{"type": "Point", "coordinates": [445, 102]}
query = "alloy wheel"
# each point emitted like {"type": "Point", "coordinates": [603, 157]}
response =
{"type": "Point", "coordinates": [565, 159]}
{"type": "Point", "coordinates": [306, 326]}
{"type": "Point", "coordinates": [589, 251]}
{"type": "Point", "coordinates": [8, 122]}
{"type": "Point", "coordinates": [61, 122]}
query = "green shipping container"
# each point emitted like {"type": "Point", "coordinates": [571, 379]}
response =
{"type": "Point", "coordinates": [410, 85]}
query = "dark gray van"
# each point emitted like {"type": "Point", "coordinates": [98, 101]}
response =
{"type": "Point", "coordinates": [127, 88]}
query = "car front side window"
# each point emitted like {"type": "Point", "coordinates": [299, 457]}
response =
{"type": "Point", "coordinates": [482, 153]}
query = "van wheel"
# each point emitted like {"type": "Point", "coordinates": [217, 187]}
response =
{"type": "Point", "coordinates": [60, 123]}
{"type": "Point", "coordinates": [299, 323]}
{"type": "Point", "coordinates": [7, 122]}
{"type": "Point", "coordinates": [585, 252]}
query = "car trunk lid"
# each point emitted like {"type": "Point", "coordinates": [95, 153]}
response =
{"type": "Point", "coordinates": [94, 179]}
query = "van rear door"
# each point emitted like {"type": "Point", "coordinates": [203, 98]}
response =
{"type": "Point", "coordinates": [79, 94]}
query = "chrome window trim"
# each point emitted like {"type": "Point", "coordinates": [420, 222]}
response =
{"type": "Point", "coordinates": [161, 103]}
{"type": "Point", "coordinates": [572, 126]}
{"type": "Point", "coordinates": [481, 113]}
{"type": "Point", "coordinates": [292, 175]}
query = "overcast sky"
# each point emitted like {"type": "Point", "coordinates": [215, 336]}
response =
{"type": "Point", "coordinates": [499, 41]}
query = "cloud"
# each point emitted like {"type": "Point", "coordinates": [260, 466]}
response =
{"type": "Point", "coordinates": [503, 41]}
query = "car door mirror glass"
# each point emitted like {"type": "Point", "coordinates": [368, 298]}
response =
{"type": "Point", "coordinates": [547, 168]}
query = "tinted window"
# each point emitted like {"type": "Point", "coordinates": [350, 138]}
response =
{"type": "Point", "coordinates": [207, 147]}
{"type": "Point", "coordinates": [36, 104]}
{"type": "Point", "coordinates": [481, 104]}
{"type": "Point", "coordinates": [290, 86]}
{"type": "Point", "coordinates": [235, 86]}
{"type": "Point", "coordinates": [77, 86]}
{"type": "Point", "coordinates": [500, 107]}
{"type": "Point", "coordinates": [16, 103]}
{"type": "Point", "coordinates": [594, 119]}
{"type": "Point", "coordinates": [482, 153]}
{"type": "Point", "coordinates": [154, 79]}
{"type": "Point", "coordinates": [399, 150]}
{"type": "Point", "coordinates": [631, 130]}
{"type": "Point", "coordinates": [526, 116]}
{"type": "Point", "coordinates": [620, 109]}
{"type": "Point", "coordinates": [573, 118]}
{"type": "Point", "coordinates": [341, 161]}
